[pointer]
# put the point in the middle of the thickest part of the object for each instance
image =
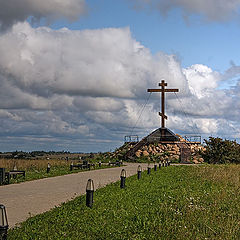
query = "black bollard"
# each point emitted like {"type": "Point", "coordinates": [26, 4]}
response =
{"type": "Point", "coordinates": [155, 167]}
{"type": "Point", "coordinates": [123, 178]}
{"type": "Point", "coordinates": [159, 165]}
{"type": "Point", "coordinates": [2, 176]}
{"type": "Point", "coordinates": [71, 166]}
{"type": "Point", "coordinates": [48, 168]}
{"type": "Point", "coordinates": [149, 169]}
{"type": "Point", "coordinates": [139, 172]}
{"type": "Point", "coordinates": [89, 193]}
{"type": "Point", "coordinates": [3, 223]}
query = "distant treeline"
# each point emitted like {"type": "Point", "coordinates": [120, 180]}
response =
{"type": "Point", "coordinates": [22, 154]}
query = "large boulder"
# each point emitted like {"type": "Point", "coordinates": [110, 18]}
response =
{"type": "Point", "coordinates": [195, 161]}
{"type": "Point", "coordinates": [149, 149]}
{"type": "Point", "coordinates": [176, 148]}
{"type": "Point", "coordinates": [173, 152]}
{"type": "Point", "coordinates": [144, 148]}
{"type": "Point", "coordinates": [145, 153]}
{"type": "Point", "coordinates": [174, 157]}
{"type": "Point", "coordinates": [138, 153]}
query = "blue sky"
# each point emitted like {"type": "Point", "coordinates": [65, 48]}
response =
{"type": "Point", "coordinates": [194, 41]}
{"type": "Point", "coordinates": [74, 74]}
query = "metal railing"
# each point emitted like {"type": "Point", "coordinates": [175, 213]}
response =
{"type": "Point", "coordinates": [195, 139]}
{"type": "Point", "coordinates": [131, 138]}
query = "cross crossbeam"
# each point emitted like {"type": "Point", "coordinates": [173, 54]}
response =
{"type": "Point", "coordinates": [165, 90]}
{"type": "Point", "coordinates": [162, 90]}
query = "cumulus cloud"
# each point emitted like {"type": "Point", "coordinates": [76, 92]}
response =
{"type": "Point", "coordinates": [96, 63]}
{"type": "Point", "coordinates": [12, 11]}
{"type": "Point", "coordinates": [91, 86]}
{"type": "Point", "coordinates": [212, 10]}
{"type": "Point", "coordinates": [201, 79]}
{"type": "Point", "coordinates": [232, 72]}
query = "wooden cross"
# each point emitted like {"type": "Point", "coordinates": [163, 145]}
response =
{"type": "Point", "coordinates": [163, 90]}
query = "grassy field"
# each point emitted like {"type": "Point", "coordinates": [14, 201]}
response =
{"type": "Point", "coordinates": [37, 169]}
{"type": "Point", "coordinates": [177, 202]}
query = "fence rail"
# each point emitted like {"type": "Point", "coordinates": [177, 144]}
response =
{"type": "Point", "coordinates": [131, 138]}
{"type": "Point", "coordinates": [196, 139]}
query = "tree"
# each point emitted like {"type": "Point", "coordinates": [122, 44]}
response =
{"type": "Point", "coordinates": [221, 151]}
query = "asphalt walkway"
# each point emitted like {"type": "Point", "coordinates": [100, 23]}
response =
{"type": "Point", "coordinates": [30, 198]}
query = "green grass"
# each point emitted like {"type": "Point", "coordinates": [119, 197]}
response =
{"type": "Point", "coordinates": [177, 202]}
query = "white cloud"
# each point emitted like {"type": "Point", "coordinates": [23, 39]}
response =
{"type": "Point", "coordinates": [212, 10]}
{"type": "Point", "coordinates": [12, 11]}
{"type": "Point", "coordinates": [96, 63]}
{"type": "Point", "coordinates": [91, 85]}
{"type": "Point", "coordinates": [201, 79]}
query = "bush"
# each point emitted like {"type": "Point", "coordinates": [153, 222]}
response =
{"type": "Point", "coordinates": [221, 151]}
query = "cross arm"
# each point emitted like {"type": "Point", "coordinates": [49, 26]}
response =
{"type": "Point", "coordinates": [165, 90]}
{"type": "Point", "coordinates": [163, 116]}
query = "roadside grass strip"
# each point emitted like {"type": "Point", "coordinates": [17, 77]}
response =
{"type": "Point", "coordinates": [176, 202]}
{"type": "Point", "coordinates": [34, 174]}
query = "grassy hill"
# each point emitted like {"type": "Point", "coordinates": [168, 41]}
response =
{"type": "Point", "coordinates": [177, 202]}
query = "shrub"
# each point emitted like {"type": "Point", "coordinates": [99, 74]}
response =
{"type": "Point", "coordinates": [221, 151]}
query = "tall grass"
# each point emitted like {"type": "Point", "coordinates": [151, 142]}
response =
{"type": "Point", "coordinates": [29, 165]}
{"type": "Point", "coordinates": [223, 174]}
{"type": "Point", "coordinates": [36, 169]}
{"type": "Point", "coordinates": [183, 202]}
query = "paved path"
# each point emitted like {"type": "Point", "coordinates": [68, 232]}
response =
{"type": "Point", "coordinates": [34, 197]}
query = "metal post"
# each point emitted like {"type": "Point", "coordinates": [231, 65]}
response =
{"type": "Point", "coordinates": [155, 167]}
{"type": "Point", "coordinates": [3, 223]}
{"type": "Point", "coordinates": [123, 178]}
{"type": "Point", "coordinates": [148, 169]}
{"type": "Point", "coordinates": [48, 167]}
{"type": "Point", "coordinates": [89, 193]}
{"type": "Point", "coordinates": [139, 172]}
{"type": "Point", "coordinates": [2, 176]}
{"type": "Point", "coordinates": [71, 166]}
